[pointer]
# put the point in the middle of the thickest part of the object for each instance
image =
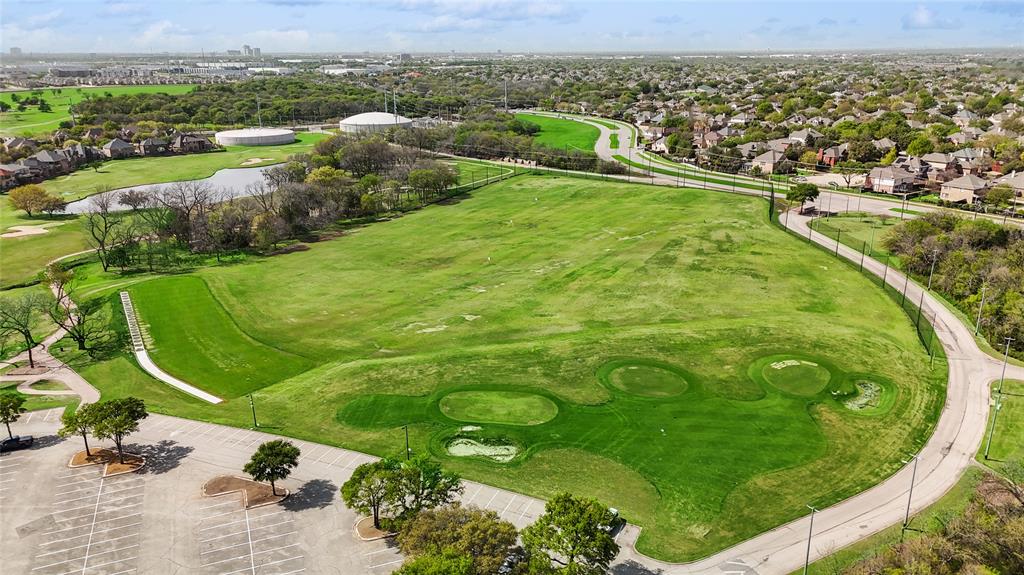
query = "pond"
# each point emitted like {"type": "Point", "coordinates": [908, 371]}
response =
{"type": "Point", "coordinates": [230, 182]}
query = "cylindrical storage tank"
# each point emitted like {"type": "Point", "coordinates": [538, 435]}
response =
{"type": "Point", "coordinates": [255, 137]}
{"type": "Point", "coordinates": [373, 122]}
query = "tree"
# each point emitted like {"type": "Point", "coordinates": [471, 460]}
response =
{"type": "Point", "coordinates": [44, 106]}
{"type": "Point", "coordinates": [103, 226]}
{"type": "Point", "coordinates": [476, 533]}
{"type": "Point", "coordinates": [423, 484]}
{"type": "Point", "coordinates": [33, 198]}
{"type": "Point", "coordinates": [117, 419]}
{"type": "Point", "coordinates": [802, 193]}
{"type": "Point", "coordinates": [273, 461]}
{"type": "Point", "coordinates": [446, 562]}
{"type": "Point", "coordinates": [372, 487]}
{"type": "Point", "coordinates": [11, 409]}
{"type": "Point", "coordinates": [575, 535]}
{"type": "Point", "coordinates": [18, 314]}
{"type": "Point", "coordinates": [73, 318]}
{"type": "Point", "coordinates": [79, 422]}
{"type": "Point", "coordinates": [920, 146]}
{"type": "Point", "coordinates": [999, 196]}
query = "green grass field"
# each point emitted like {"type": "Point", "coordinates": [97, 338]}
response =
{"type": "Point", "coordinates": [32, 121]}
{"type": "Point", "coordinates": [1008, 436]}
{"type": "Point", "coordinates": [36, 402]}
{"type": "Point", "coordinates": [155, 170]}
{"type": "Point", "coordinates": [862, 232]}
{"type": "Point", "coordinates": [560, 133]}
{"type": "Point", "coordinates": [620, 337]}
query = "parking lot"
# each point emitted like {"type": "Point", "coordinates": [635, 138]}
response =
{"type": "Point", "coordinates": [58, 521]}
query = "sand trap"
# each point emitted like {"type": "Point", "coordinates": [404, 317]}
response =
{"type": "Point", "coordinates": [502, 453]}
{"type": "Point", "coordinates": [254, 161]}
{"type": "Point", "coordinates": [21, 231]}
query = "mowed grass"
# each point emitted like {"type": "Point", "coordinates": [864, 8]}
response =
{"type": "Point", "coordinates": [24, 257]}
{"type": "Point", "coordinates": [1008, 434]}
{"type": "Point", "coordinates": [211, 352]}
{"type": "Point", "coordinates": [35, 402]}
{"type": "Point", "coordinates": [32, 121]}
{"type": "Point", "coordinates": [547, 286]}
{"type": "Point", "coordinates": [156, 170]}
{"type": "Point", "coordinates": [560, 133]}
{"type": "Point", "coordinates": [498, 406]}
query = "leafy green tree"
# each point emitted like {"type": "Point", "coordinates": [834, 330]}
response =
{"type": "Point", "coordinates": [79, 422]}
{"type": "Point", "coordinates": [471, 532]}
{"type": "Point", "coordinates": [372, 488]}
{"type": "Point", "coordinates": [423, 484]}
{"type": "Point", "coordinates": [44, 106]}
{"type": "Point", "coordinates": [273, 461]}
{"type": "Point", "coordinates": [117, 419]}
{"type": "Point", "coordinates": [575, 535]}
{"type": "Point", "coordinates": [33, 198]}
{"type": "Point", "coordinates": [999, 196]}
{"type": "Point", "coordinates": [920, 146]}
{"type": "Point", "coordinates": [11, 409]}
{"type": "Point", "coordinates": [802, 193]}
{"type": "Point", "coordinates": [447, 562]}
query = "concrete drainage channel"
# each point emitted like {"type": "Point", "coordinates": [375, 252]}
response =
{"type": "Point", "coordinates": [139, 347]}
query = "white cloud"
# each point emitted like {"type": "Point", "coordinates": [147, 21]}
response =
{"type": "Point", "coordinates": [43, 20]}
{"type": "Point", "coordinates": [166, 35]}
{"type": "Point", "coordinates": [125, 9]}
{"type": "Point", "coordinates": [923, 18]}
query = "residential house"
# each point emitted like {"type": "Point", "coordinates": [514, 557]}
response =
{"type": "Point", "coordinates": [966, 188]}
{"type": "Point", "coordinates": [12, 145]}
{"type": "Point", "coordinates": [834, 154]}
{"type": "Point", "coordinates": [152, 147]}
{"type": "Point", "coordinates": [13, 175]}
{"type": "Point", "coordinates": [660, 145]}
{"type": "Point", "coordinates": [751, 149]}
{"type": "Point", "coordinates": [93, 134]}
{"type": "Point", "coordinates": [708, 140]}
{"type": "Point", "coordinates": [741, 119]}
{"type": "Point", "coordinates": [883, 145]}
{"type": "Point", "coordinates": [941, 167]}
{"type": "Point", "coordinates": [118, 148]}
{"type": "Point", "coordinates": [972, 160]}
{"type": "Point", "coordinates": [963, 118]}
{"type": "Point", "coordinates": [51, 162]}
{"type": "Point", "coordinates": [889, 180]}
{"type": "Point", "coordinates": [805, 136]}
{"type": "Point", "coordinates": [188, 143]}
{"type": "Point", "coordinates": [770, 162]}
{"type": "Point", "coordinates": [961, 138]}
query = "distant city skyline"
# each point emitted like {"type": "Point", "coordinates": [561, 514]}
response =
{"type": "Point", "coordinates": [511, 26]}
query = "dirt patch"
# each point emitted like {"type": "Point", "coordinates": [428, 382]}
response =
{"type": "Point", "coordinates": [254, 161]}
{"type": "Point", "coordinates": [108, 458]}
{"type": "Point", "coordinates": [367, 532]}
{"type": "Point", "coordinates": [25, 370]}
{"type": "Point", "coordinates": [289, 250]}
{"type": "Point", "coordinates": [254, 494]}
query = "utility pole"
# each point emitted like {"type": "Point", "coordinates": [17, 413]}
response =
{"type": "Point", "coordinates": [935, 256]}
{"type": "Point", "coordinates": [407, 450]}
{"type": "Point", "coordinates": [506, 95]}
{"type": "Point", "coordinates": [252, 405]}
{"type": "Point", "coordinates": [810, 533]}
{"type": "Point", "coordinates": [981, 307]}
{"type": "Point", "coordinates": [992, 428]}
{"type": "Point", "coordinates": [910, 495]}
{"type": "Point", "coordinates": [1006, 356]}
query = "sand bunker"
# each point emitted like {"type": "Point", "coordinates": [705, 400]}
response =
{"type": "Point", "coordinates": [254, 161]}
{"type": "Point", "coordinates": [21, 231]}
{"type": "Point", "coordinates": [463, 447]}
{"type": "Point", "coordinates": [869, 395]}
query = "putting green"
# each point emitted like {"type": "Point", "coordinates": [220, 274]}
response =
{"type": "Point", "coordinates": [648, 379]}
{"type": "Point", "coordinates": [502, 407]}
{"type": "Point", "coordinates": [797, 376]}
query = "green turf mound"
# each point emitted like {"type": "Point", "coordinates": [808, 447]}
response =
{"type": "Point", "coordinates": [382, 411]}
{"type": "Point", "coordinates": [798, 376]}
{"type": "Point", "coordinates": [502, 407]}
{"type": "Point", "coordinates": [643, 377]}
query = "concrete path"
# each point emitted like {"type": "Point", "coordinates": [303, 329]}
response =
{"type": "Point", "coordinates": [55, 370]}
{"type": "Point", "coordinates": [142, 356]}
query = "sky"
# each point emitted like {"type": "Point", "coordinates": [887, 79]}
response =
{"type": "Point", "coordinates": [512, 26]}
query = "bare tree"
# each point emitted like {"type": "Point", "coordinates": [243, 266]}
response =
{"type": "Point", "coordinates": [74, 319]}
{"type": "Point", "coordinates": [102, 223]}
{"type": "Point", "coordinates": [187, 200]}
{"type": "Point", "coordinates": [17, 315]}
{"type": "Point", "coordinates": [262, 193]}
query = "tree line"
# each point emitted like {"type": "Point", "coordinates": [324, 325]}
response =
{"type": "Point", "coordinates": [978, 264]}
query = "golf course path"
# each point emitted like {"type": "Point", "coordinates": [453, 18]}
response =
{"type": "Point", "coordinates": [50, 368]}
{"type": "Point", "coordinates": [949, 451]}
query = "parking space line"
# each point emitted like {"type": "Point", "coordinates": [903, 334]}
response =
{"type": "Point", "coordinates": [230, 559]}
{"type": "Point", "coordinates": [385, 564]}
{"type": "Point", "coordinates": [107, 501]}
{"type": "Point", "coordinates": [221, 536]}
{"type": "Point", "coordinates": [275, 536]}
{"type": "Point", "coordinates": [222, 514]}
{"type": "Point", "coordinates": [272, 525]}
{"type": "Point", "coordinates": [522, 514]}
{"type": "Point", "coordinates": [100, 511]}
{"type": "Point", "coordinates": [84, 534]}
{"type": "Point", "coordinates": [328, 452]}
{"type": "Point", "coordinates": [266, 565]}
{"type": "Point", "coordinates": [475, 493]}
{"type": "Point", "coordinates": [507, 506]}
{"type": "Point", "coordinates": [378, 551]}
{"type": "Point", "coordinates": [102, 565]}
{"type": "Point", "coordinates": [59, 563]}
{"type": "Point", "coordinates": [223, 548]}
{"type": "Point", "coordinates": [219, 505]}
{"type": "Point", "coordinates": [80, 546]}
{"type": "Point", "coordinates": [97, 523]}
{"type": "Point", "coordinates": [239, 521]}
{"type": "Point", "coordinates": [488, 504]}
{"type": "Point", "coordinates": [125, 571]}
{"type": "Point", "coordinates": [340, 455]}
{"type": "Point", "coordinates": [80, 482]}
{"type": "Point", "coordinates": [293, 572]}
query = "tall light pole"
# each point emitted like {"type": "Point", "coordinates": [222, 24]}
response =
{"type": "Point", "coordinates": [407, 450]}
{"type": "Point", "coordinates": [992, 428]}
{"type": "Point", "coordinates": [981, 307]}
{"type": "Point", "coordinates": [810, 533]}
{"type": "Point", "coordinates": [252, 405]}
{"type": "Point", "coordinates": [910, 495]}
{"type": "Point", "coordinates": [1006, 356]}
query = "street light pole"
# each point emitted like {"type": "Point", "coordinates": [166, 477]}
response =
{"type": "Point", "coordinates": [910, 495]}
{"type": "Point", "coordinates": [935, 256]}
{"type": "Point", "coordinates": [981, 307]}
{"type": "Point", "coordinates": [1006, 356]}
{"type": "Point", "coordinates": [252, 405]}
{"type": "Point", "coordinates": [810, 532]}
{"type": "Point", "coordinates": [992, 428]}
{"type": "Point", "coordinates": [407, 451]}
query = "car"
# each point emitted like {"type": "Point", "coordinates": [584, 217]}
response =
{"type": "Point", "coordinates": [15, 443]}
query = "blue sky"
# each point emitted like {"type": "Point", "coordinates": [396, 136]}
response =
{"type": "Point", "coordinates": [509, 25]}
